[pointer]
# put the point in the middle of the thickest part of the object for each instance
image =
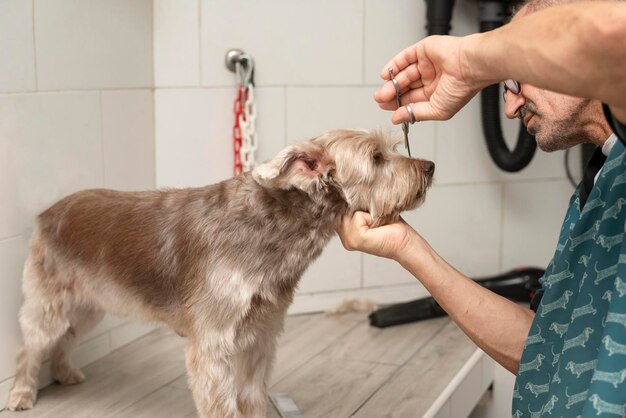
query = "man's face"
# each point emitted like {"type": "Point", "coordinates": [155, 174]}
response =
{"type": "Point", "coordinates": [554, 119]}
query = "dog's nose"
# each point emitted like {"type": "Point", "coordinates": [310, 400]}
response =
{"type": "Point", "coordinates": [428, 167]}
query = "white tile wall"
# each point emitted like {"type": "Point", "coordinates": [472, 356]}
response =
{"type": "Point", "coordinates": [312, 110]}
{"type": "Point", "coordinates": [462, 218]}
{"type": "Point", "coordinates": [310, 43]}
{"type": "Point", "coordinates": [462, 154]}
{"type": "Point", "coordinates": [128, 138]}
{"type": "Point", "coordinates": [176, 42]}
{"type": "Point", "coordinates": [194, 133]}
{"type": "Point", "coordinates": [54, 147]}
{"type": "Point", "coordinates": [534, 212]}
{"type": "Point", "coordinates": [389, 28]}
{"type": "Point", "coordinates": [93, 44]}
{"type": "Point", "coordinates": [193, 142]}
{"type": "Point", "coordinates": [336, 269]}
{"type": "Point", "coordinates": [17, 67]}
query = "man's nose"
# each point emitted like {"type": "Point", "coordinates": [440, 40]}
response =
{"type": "Point", "coordinates": [513, 104]}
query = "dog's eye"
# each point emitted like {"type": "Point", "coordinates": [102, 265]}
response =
{"type": "Point", "coordinates": [378, 158]}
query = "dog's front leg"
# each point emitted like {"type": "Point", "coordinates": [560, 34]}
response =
{"type": "Point", "coordinates": [212, 381]}
{"type": "Point", "coordinates": [253, 368]}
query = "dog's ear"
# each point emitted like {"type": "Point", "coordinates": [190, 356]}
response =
{"type": "Point", "coordinates": [304, 166]}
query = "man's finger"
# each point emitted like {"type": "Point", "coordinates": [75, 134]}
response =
{"type": "Point", "coordinates": [421, 110]}
{"type": "Point", "coordinates": [407, 79]}
{"type": "Point", "coordinates": [362, 219]}
{"type": "Point", "coordinates": [398, 63]}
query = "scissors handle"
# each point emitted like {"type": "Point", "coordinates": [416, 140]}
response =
{"type": "Point", "coordinates": [405, 125]}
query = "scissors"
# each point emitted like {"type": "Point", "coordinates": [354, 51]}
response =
{"type": "Point", "coordinates": [405, 125]}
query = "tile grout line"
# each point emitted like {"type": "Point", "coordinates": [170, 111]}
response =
{"type": "Point", "coordinates": [78, 90]}
{"type": "Point", "coordinates": [102, 139]}
{"type": "Point", "coordinates": [363, 40]}
{"type": "Point", "coordinates": [35, 49]}
{"type": "Point", "coordinates": [200, 78]}
{"type": "Point", "coordinates": [10, 237]}
{"type": "Point", "coordinates": [154, 139]}
{"type": "Point", "coordinates": [285, 115]}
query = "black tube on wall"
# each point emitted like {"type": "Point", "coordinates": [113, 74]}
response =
{"type": "Point", "coordinates": [522, 154]}
{"type": "Point", "coordinates": [493, 14]}
{"type": "Point", "coordinates": [438, 16]}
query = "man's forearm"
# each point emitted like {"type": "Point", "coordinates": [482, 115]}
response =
{"type": "Point", "coordinates": [495, 324]}
{"type": "Point", "coordinates": [576, 49]}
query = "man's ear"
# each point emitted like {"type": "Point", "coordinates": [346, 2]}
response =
{"type": "Point", "coordinates": [303, 166]}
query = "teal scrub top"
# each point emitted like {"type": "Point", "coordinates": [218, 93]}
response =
{"type": "Point", "coordinates": [574, 360]}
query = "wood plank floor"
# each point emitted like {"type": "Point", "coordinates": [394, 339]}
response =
{"type": "Point", "coordinates": [332, 366]}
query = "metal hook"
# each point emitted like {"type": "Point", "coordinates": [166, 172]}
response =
{"type": "Point", "coordinates": [241, 64]}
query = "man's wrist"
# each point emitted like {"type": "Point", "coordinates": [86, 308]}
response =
{"type": "Point", "coordinates": [414, 249]}
{"type": "Point", "coordinates": [472, 62]}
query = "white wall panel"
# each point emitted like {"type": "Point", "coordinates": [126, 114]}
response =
{"type": "Point", "coordinates": [176, 42]}
{"type": "Point", "coordinates": [17, 48]}
{"type": "Point", "coordinates": [53, 145]}
{"type": "Point", "coordinates": [93, 44]}
{"type": "Point", "coordinates": [128, 138]}
{"type": "Point", "coordinates": [533, 214]}
{"type": "Point", "coordinates": [292, 42]}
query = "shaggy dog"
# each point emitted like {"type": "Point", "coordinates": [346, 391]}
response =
{"type": "Point", "coordinates": [217, 264]}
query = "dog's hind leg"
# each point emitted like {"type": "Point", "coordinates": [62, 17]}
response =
{"type": "Point", "coordinates": [82, 320]}
{"type": "Point", "coordinates": [43, 322]}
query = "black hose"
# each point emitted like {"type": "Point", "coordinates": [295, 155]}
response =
{"type": "Point", "coordinates": [522, 154]}
{"type": "Point", "coordinates": [438, 16]}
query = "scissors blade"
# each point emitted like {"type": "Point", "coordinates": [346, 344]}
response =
{"type": "Point", "coordinates": [405, 129]}
{"type": "Point", "coordinates": [405, 125]}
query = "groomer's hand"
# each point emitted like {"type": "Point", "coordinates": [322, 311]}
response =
{"type": "Point", "coordinates": [433, 78]}
{"type": "Point", "coordinates": [393, 241]}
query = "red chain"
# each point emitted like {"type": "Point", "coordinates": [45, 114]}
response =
{"type": "Point", "coordinates": [237, 110]}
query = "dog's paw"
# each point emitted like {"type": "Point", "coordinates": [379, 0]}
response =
{"type": "Point", "coordinates": [20, 400]}
{"type": "Point", "coordinates": [68, 376]}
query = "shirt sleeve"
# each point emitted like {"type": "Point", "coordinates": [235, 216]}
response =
{"type": "Point", "coordinates": [618, 127]}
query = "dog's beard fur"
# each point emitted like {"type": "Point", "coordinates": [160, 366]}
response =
{"type": "Point", "coordinates": [218, 264]}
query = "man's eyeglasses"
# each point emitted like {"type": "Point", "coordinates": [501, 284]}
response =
{"type": "Point", "coordinates": [512, 85]}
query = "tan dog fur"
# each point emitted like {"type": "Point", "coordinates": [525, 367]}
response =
{"type": "Point", "coordinates": [218, 264]}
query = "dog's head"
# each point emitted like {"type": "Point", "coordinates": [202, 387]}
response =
{"type": "Point", "coordinates": [362, 167]}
